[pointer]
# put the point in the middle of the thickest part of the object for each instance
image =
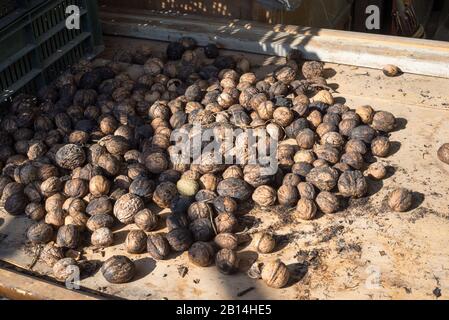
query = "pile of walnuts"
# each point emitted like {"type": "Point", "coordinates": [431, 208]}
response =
{"type": "Point", "coordinates": [92, 151]}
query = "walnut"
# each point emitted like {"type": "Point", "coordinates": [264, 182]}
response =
{"type": "Point", "coordinates": [118, 269]}
{"type": "Point", "coordinates": [201, 254]}
{"type": "Point", "coordinates": [305, 209]}
{"type": "Point", "coordinates": [443, 153]}
{"type": "Point", "coordinates": [380, 146]}
{"type": "Point", "coordinates": [384, 121]}
{"type": "Point", "coordinates": [352, 184]}
{"type": "Point", "coordinates": [136, 241]}
{"type": "Point", "coordinates": [400, 200]}
{"type": "Point", "coordinates": [264, 242]}
{"type": "Point", "coordinates": [226, 261]}
{"type": "Point", "coordinates": [126, 207]}
{"type": "Point", "coordinates": [264, 196]}
{"type": "Point", "coordinates": [376, 171]}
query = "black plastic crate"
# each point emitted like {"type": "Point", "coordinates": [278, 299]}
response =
{"type": "Point", "coordinates": [37, 46]}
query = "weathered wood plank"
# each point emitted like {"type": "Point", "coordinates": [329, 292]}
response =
{"type": "Point", "coordinates": [18, 286]}
{"type": "Point", "coordinates": [417, 56]}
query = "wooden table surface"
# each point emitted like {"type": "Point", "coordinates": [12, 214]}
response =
{"type": "Point", "coordinates": [363, 252]}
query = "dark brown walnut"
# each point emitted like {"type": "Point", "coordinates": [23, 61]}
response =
{"type": "Point", "coordinates": [126, 207]}
{"type": "Point", "coordinates": [94, 153]}
{"type": "Point", "coordinates": [157, 246]}
{"type": "Point", "coordinates": [275, 274]}
{"type": "Point", "coordinates": [4, 181]}
{"type": "Point", "coordinates": [226, 241]}
{"type": "Point", "coordinates": [355, 145]}
{"type": "Point", "coordinates": [324, 178]}
{"type": "Point", "coordinates": [118, 269]}
{"type": "Point", "coordinates": [364, 133]}
{"type": "Point", "coordinates": [16, 204]}
{"type": "Point", "coordinates": [201, 254]}
{"type": "Point", "coordinates": [101, 205]}
{"type": "Point", "coordinates": [306, 190]}
{"type": "Point", "coordinates": [287, 195]}
{"type": "Point", "coordinates": [380, 146]}
{"type": "Point", "coordinates": [384, 121]}
{"type": "Point", "coordinates": [68, 237]}
{"type": "Point", "coordinates": [136, 170]}
{"type": "Point", "coordinates": [55, 218]}
{"type": "Point", "coordinates": [156, 162]}
{"type": "Point", "coordinates": [40, 233]}
{"type": "Point", "coordinates": [143, 187]}
{"type": "Point", "coordinates": [76, 188]}
{"type": "Point", "coordinates": [70, 156]}
{"type": "Point", "coordinates": [78, 219]}
{"type": "Point", "coordinates": [51, 253]}
{"type": "Point", "coordinates": [301, 169]}
{"type": "Point", "coordinates": [327, 202]}
{"type": "Point", "coordinates": [264, 196]}
{"type": "Point", "coordinates": [136, 241]}
{"type": "Point", "coordinates": [65, 269]}
{"type": "Point", "coordinates": [377, 171]}
{"type": "Point", "coordinates": [51, 186]}
{"type": "Point", "coordinates": [35, 211]}
{"type": "Point", "coordinates": [100, 220]}
{"type": "Point", "coordinates": [99, 186]}
{"type": "Point", "coordinates": [122, 182]}
{"type": "Point", "coordinates": [285, 74]}
{"type": "Point", "coordinates": [78, 137]}
{"type": "Point", "coordinates": [117, 145]}
{"type": "Point", "coordinates": [333, 139]}
{"type": "Point", "coordinates": [110, 164]}
{"type": "Point", "coordinates": [256, 176]}
{"type": "Point", "coordinates": [102, 237]}
{"type": "Point", "coordinates": [332, 118]}
{"type": "Point", "coordinates": [226, 261]}
{"type": "Point", "coordinates": [26, 173]}
{"type": "Point", "coordinates": [202, 229]}
{"type": "Point", "coordinates": [346, 126]}
{"type": "Point", "coordinates": [179, 239]}
{"type": "Point", "coordinates": [291, 179]}
{"type": "Point", "coordinates": [234, 188]}
{"type": "Point", "coordinates": [305, 209]}
{"type": "Point", "coordinates": [443, 153]}
{"type": "Point", "coordinates": [306, 139]}
{"type": "Point", "coordinates": [312, 69]}
{"type": "Point", "coordinates": [164, 194]}
{"type": "Point", "coordinates": [264, 242]}
{"type": "Point", "coordinates": [283, 116]}
{"type": "Point", "coordinates": [199, 210]}
{"type": "Point", "coordinates": [400, 200]}
{"type": "Point", "coordinates": [353, 159]}
{"type": "Point", "coordinates": [209, 181]}
{"type": "Point", "coordinates": [225, 223]}
{"type": "Point", "coordinates": [352, 184]}
{"type": "Point", "coordinates": [224, 204]}
{"type": "Point", "coordinates": [146, 220]}
{"type": "Point", "coordinates": [327, 153]}
{"type": "Point", "coordinates": [325, 128]}
{"type": "Point", "coordinates": [87, 172]}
